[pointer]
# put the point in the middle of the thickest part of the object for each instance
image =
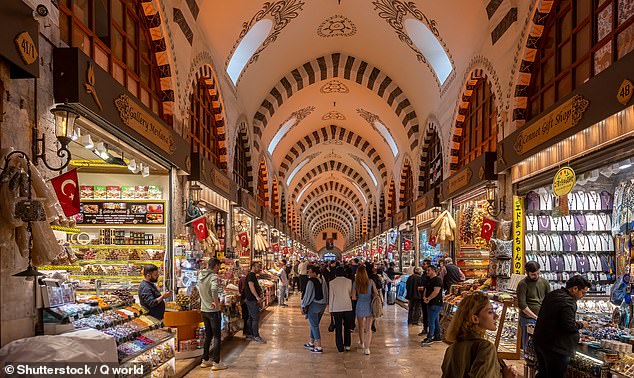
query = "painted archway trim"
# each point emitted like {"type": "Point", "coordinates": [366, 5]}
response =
{"type": "Point", "coordinates": [331, 206]}
{"type": "Point", "coordinates": [333, 133]}
{"type": "Point", "coordinates": [334, 201]}
{"type": "Point", "coordinates": [428, 136]}
{"type": "Point", "coordinates": [338, 189]}
{"type": "Point", "coordinates": [331, 211]}
{"type": "Point", "coordinates": [407, 173]}
{"type": "Point", "coordinates": [332, 218]}
{"type": "Point", "coordinates": [340, 66]}
{"type": "Point", "coordinates": [333, 166]}
{"type": "Point", "coordinates": [325, 196]}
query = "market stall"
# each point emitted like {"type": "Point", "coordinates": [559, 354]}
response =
{"type": "Point", "coordinates": [425, 211]}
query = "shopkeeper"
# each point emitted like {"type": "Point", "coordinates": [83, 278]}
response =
{"type": "Point", "coordinates": [149, 295]}
{"type": "Point", "coordinates": [530, 294]}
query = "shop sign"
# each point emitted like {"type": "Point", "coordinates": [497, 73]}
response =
{"type": "Point", "coordinates": [19, 38]}
{"type": "Point", "coordinates": [137, 118]}
{"type": "Point", "coordinates": [208, 174]}
{"type": "Point", "coordinates": [26, 47]}
{"type": "Point", "coordinates": [564, 117]}
{"type": "Point", "coordinates": [477, 171]}
{"type": "Point", "coordinates": [518, 234]}
{"type": "Point", "coordinates": [120, 213]}
{"type": "Point", "coordinates": [564, 181]}
{"type": "Point", "coordinates": [249, 203]}
{"type": "Point", "coordinates": [269, 219]}
{"type": "Point", "coordinates": [387, 224]}
{"type": "Point", "coordinates": [420, 205]}
{"type": "Point", "coordinates": [459, 180]}
{"type": "Point", "coordinates": [624, 93]}
{"type": "Point", "coordinates": [401, 217]}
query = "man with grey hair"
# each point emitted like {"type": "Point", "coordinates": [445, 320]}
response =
{"type": "Point", "coordinates": [413, 296]}
{"type": "Point", "coordinates": [453, 276]}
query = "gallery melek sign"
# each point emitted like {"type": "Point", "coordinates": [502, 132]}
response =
{"type": "Point", "coordinates": [81, 83]}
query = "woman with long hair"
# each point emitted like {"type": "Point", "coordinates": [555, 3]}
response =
{"type": "Point", "coordinates": [362, 293]}
{"type": "Point", "coordinates": [470, 354]}
{"type": "Point", "coordinates": [314, 305]}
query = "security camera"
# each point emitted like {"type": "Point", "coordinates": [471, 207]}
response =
{"type": "Point", "coordinates": [40, 11]}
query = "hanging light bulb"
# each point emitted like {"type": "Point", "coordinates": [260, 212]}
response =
{"type": "Point", "coordinates": [86, 141]}
{"type": "Point", "coordinates": [146, 171]}
{"type": "Point", "coordinates": [132, 165]}
{"type": "Point", "coordinates": [76, 134]}
{"type": "Point", "coordinates": [101, 150]}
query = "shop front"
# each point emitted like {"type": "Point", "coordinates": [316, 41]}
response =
{"type": "Point", "coordinates": [425, 210]}
{"type": "Point", "coordinates": [244, 216]}
{"type": "Point", "coordinates": [262, 237]}
{"type": "Point", "coordinates": [466, 195]}
{"type": "Point", "coordinates": [405, 255]}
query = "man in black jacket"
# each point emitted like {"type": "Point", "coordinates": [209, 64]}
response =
{"type": "Point", "coordinates": [557, 331]}
{"type": "Point", "coordinates": [413, 296]}
{"type": "Point", "coordinates": [453, 276]}
{"type": "Point", "coordinates": [149, 295]}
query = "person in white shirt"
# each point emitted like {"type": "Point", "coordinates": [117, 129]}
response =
{"type": "Point", "coordinates": [340, 305]}
{"type": "Point", "coordinates": [303, 276]}
{"type": "Point", "coordinates": [283, 284]}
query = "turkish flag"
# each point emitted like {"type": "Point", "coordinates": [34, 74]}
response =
{"type": "Point", "coordinates": [407, 245]}
{"type": "Point", "coordinates": [381, 250]}
{"type": "Point", "coordinates": [275, 247]}
{"type": "Point", "coordinates": [67, 190]}
{"type": "Point", "coordinates": [390, 248]}
{"type": "Point", "coordinates": [200, 227]}
{"type": "Point", "coordinates": [285, 250]}
{"type": "Point", "coordinates": [488, 225]}
{"type": "Point", "coordinates": [432, 240]}
{"type": "Point", "coordinates": [244, 239]}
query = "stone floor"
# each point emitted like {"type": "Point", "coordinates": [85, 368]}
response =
{"type": "Point", "coordinates": [395, 349]}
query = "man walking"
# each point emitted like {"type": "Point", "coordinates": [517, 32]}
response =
{"type": "Point", "coordinates": [303, 275]}
{"type": "Point", "coordinates": [149, 295]}
{"type": "Point", "coordinates": [295, 285]}
{"type": "Point", "coordinates": [453, 276]}
{"type": "Point", "coordinates": [433, 298]}
{"type": "Point", "coordinates": [283, 284]}
{"type": "Point", "coordinates": [254, 301]}
{"type": "Point", "coordinates": [209, 288]}
{"type": "Point", "coordinates": [530, 294]}
{"type": "Point", "coordinates": [340, 305]}
{"type": "Point", "coordinates": [421, 288]}
{"type": "Point", "coordinates": [413, 296]}
{"type": "Point", "coordinates": [557, 330]}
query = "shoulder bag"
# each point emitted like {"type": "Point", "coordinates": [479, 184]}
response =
{"type": "Point", "coordinates": [377, 302]}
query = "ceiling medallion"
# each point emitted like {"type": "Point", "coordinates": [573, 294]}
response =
{"type": "Point", "coordinates": [333, 115]}
{"type": "Point", "coordinates": [334, 86]}
{"type": "Point", "coordinates": [281, 13]}
{"type": "Point", "coordinates": [336, 26]}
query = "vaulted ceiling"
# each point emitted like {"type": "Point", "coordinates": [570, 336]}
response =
{"type": "Point", "coordinates": [338, 93]}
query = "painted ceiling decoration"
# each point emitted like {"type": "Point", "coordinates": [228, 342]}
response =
{"type": "Point", "coordinates": [334, 86]}
{"type": "Point", "coordinates": [333, 115]}
{"type": "Point", "coordinates": [422, 36]}
{"type": "Point", "coordinates": [329, 215]}
{"type": "Point", "coordinates": [343, 67]}
{"type": "Point", "coordinates": [331, 209]}
{"type": "Point", "coordinates": [326, 189]}
{"type": "Point", "coordinates": [335, 134]}
{"type": "Point", "coordinates": [336, 26]}
{"type": "Point", "coordinates": [333, 166]}
{"type": "Point", "coordinates": [289, 124]}
{"type": "Point", "coordinates": [280, 13]}
{"type": "Point", "coordinates": [326, 199]}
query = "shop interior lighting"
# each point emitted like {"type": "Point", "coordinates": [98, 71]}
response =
{"type": "Point", "coordinates": [86, 141]}
{"type": "Point", "coordinates": [132, 165]}
{"type": "Point", "coordinates": [146, 171]}
{"type": "Point", "coordinates": [101, 150]}
{"type": "Point", "coordinates": [76, 134]}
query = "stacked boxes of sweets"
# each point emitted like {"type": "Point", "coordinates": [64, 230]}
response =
{"type": "Point", "coordinates": [139, 343]}
{"type": "Point", "coordinates": [121, 192]}
{"type": "Point", "coordinates": [151, 360]}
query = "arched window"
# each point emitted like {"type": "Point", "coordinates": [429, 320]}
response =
{"type": "Point", "coordinates": [407, 186]}
{"type": "Point", "coordinates": [581, 39]}
{"type": "Point", "coordinates": [203, 130]}
{"type": "Point", "coordinates": [241, 162]}
{"type": "Point", "coordinates": [431, 163]}
{"type": "Point", "coordinates": [479, 132]}
{"type": "Point", "coordinates": [115, 35]}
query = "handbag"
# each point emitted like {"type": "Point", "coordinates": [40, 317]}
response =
{"type": "Point", "coordinates": [377, 303]}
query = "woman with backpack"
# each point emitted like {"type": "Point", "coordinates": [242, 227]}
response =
{"type": "Point", "coordinates": [314, 305]}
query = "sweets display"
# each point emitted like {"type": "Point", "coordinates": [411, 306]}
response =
{"type": "Point", "coordinates": [120, 192]}
{"type": "Point", "coordinates": [153, 359]}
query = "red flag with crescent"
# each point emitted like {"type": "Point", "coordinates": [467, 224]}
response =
{"type": "Point", "coordinates": [390, 248]}
{"type": "Point", "coordinates": [67, 190]}
{"type": "Point", "coordinates": [407, 245]}
{"type": "Point", "coordinates": [244, 239]}
{"type": "Point", "coordinates": [200, 227]}
{"type": "Point", "coordinates": [488, 225]}
{"type": "Point", "coordinates": [381, 249]}
{"type": "Point", "coordinates": [432, 241]}
{"type": "Point", "coordinates": [275, 247]}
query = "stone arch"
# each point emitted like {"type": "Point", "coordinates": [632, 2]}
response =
{"type": "Point", "coordinates": [338, 65]}
{"type": "Point", "coordinates": [406, 187]}
{"type": "Point", "coordinates": [391, 199]}
{"type": "Point", "coordinates": [339, 192]}
{"type": "Point", "coordinates": [429, 136]}
{"type": "Point", "coordinates": [333, 133]}
{"type": "Point", "coordinates": [331, 211]}
{"type": "Point", "coordinates": [332, 218]}
{"type": "Point", "coordinates": [333, 166]}
{"type": "Point", "coordinates": [328, 224]}
{"type": "Point", "coordinates": [262, 194]}
{"type": "Point", "coordinates": [524, 59]}
{"type": "Point", "coordinates": [325, 203]}
{"type": "Point", "coordinates": [243, 136]}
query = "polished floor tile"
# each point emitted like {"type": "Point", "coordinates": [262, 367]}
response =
{"type": "Point", "coordinates": [395, 350]}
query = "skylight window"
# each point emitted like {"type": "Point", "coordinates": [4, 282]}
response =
{"type": "Point", "coordinates": [369, 172]}
{"type": "Point", "coordinates": [360, 191]}
{"type": "Point", "coordinates": [302, 192]}
{"type": "Point", "coordinates": [299, 166]}
{"type": "Point", "coordinates": [247, 47]}
{"type": "Point", "coordinates": [280, 133]}
{"type": "Point", "coordinates": [388, 137]}
{"type": "Point", "coordinates": [430, 47]}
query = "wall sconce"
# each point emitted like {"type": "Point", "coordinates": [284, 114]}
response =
{"type": "Point", "coordinates": [494, 207]}
{"type": "Point", "coordinates": [435, 212]}
{"type": "Point", "coordinates": [65, 118]}
{"type": "Point", "coordinates": [194, 193]}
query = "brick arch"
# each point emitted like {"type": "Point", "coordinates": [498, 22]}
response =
{"type": "Point", "coordinates": [262, 194]}
{"type": "Point", "coordinates": [161, 42]}
{"type": "Point", "coordinates": [391, 199]}
{"type": "Point", "coordinates": [333, 132]}
{"type": "Point", "coordinates": [343, 66]}
{"type": "Point", "coordinates": [523, 63]}
{"type": "Point", "coordinates": [242, 137]}
{"type": "Point", "coordinates": [406, 187]}
{"type": "Point", "coordinates": [332, 217]}
{"type": "Point", "coordinates": [331, 201]}
{"type": "Point", "coordinates": [324, 225]}
{"type": "Point", "coordinates": [331, 211]}
{"type": "Point", "coordinates": [333, 166]}
{"type": "Point", "coordinates": [275, 193]}
{"type": "Point", "coordinates": [473, 78]}
{"type": "Point", "coordinates": [336, 190]}
{"type": "Point", "coordinates": [431, 135]}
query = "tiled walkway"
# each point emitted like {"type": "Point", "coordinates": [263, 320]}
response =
{"type": "Point", "coordinates": [395, 348]}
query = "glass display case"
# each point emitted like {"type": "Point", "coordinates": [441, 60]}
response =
{"type": "Point", "coordinates": [506, 337]}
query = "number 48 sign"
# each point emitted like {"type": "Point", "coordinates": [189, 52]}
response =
{"type": "Point", "coordinates": [625, 92]}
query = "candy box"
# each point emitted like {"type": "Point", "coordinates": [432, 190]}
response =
{"type": "Point", "coordinates": [87, 192]}
{"type": "Point", "coordinates": [141, 192]}
{"type": "Point", "coordinates": [101, 192]}
{"type": "Point", "coordinates": [155, 192]}
{"type": "Point", "coordinates": [127, 192]}
{"type": "Point", "coordinates": [113, 192]}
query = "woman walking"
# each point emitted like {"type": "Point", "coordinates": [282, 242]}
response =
{"type": "Point", "coordinates": [470, 354]}
{"type": "Point", "coordinates": [339, 294]}
{"type": "Point", "coordinates": [314, 305]}
{"type": "Point", "coordinates": [362, 293]}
